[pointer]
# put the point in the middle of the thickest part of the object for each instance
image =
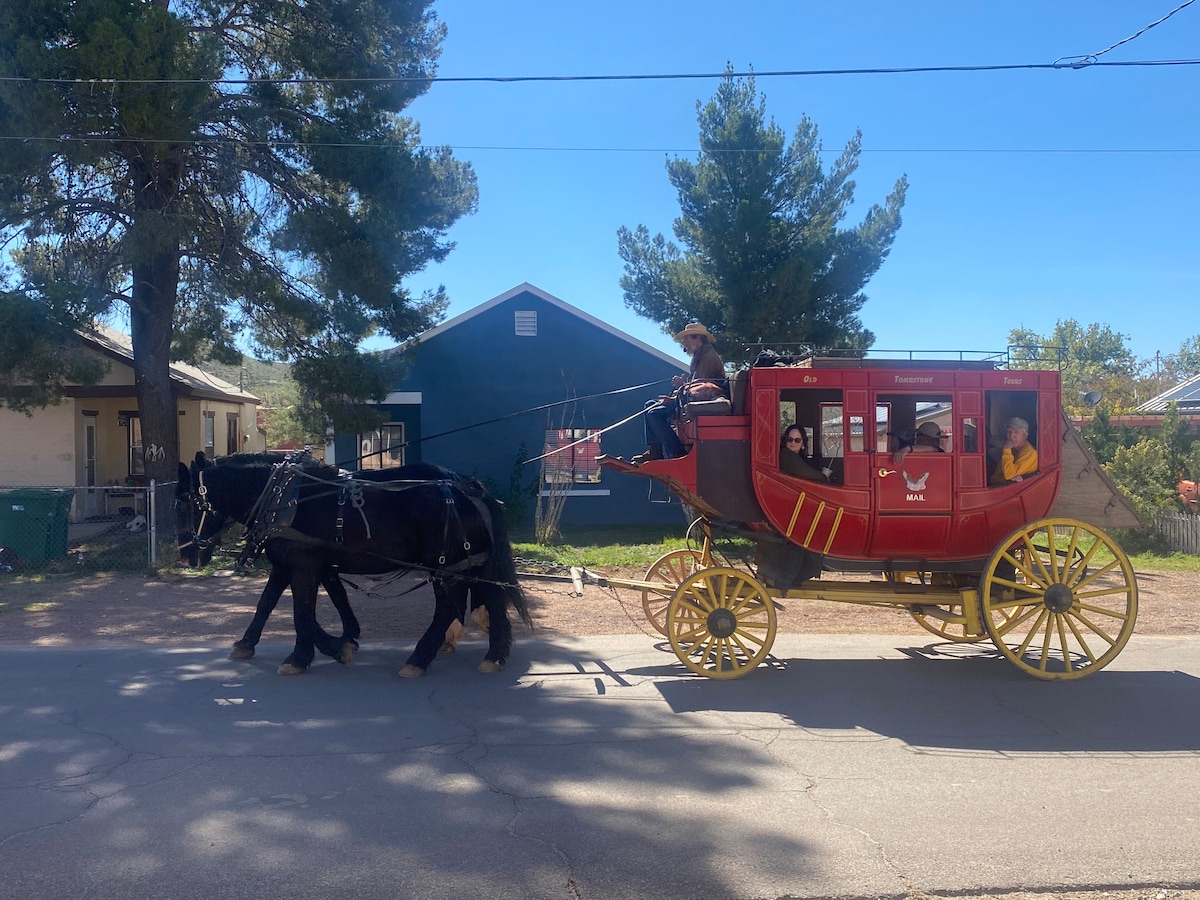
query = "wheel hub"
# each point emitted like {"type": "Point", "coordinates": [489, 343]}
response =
{"type": "Point", "coordinates": [1059, 598]}
{"type": "Point", "coordinates": [722, 623]}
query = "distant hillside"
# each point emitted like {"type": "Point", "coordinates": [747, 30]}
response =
{"type": "Point", "coordinates": [262, 379]}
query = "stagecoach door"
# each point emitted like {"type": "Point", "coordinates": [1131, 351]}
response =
{"type": "Point", "coordinates": [913, 498]}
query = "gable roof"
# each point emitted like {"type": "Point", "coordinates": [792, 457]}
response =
{"type": "Point", "coordinates": [527, 288]}
{"type": "Point", "coordinates": [1186, 396]}
{"type": "Point", "coordinates": [191, 381]}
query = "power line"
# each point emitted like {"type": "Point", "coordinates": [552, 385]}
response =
{"type": "Point", "coordinates": [673, 76]}
{"type": "Point", "coordinates": [505, 148]}
{"type": "Point", "coordinates": [1090, 59]}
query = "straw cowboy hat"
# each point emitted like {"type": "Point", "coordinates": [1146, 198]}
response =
{"type": "Point", "coordinates": [694, 328]}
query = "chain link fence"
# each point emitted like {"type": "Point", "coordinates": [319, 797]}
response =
{"type": "Point", "coordinates": [106, 528]}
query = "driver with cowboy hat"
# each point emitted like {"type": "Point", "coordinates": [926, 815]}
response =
{"type": "Point", "coordinates": [706, 375]}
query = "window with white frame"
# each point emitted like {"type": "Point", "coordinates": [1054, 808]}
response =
{"type": "Point", "coordinates": [137, 460]}
{"type": "Point", "coordinates": [210, 434]}
{"type": "Point", "coordinates": [383, 448]}
{"type": "Point", "coordinates": [572, 458]}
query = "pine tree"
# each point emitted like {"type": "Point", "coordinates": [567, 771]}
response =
{"type": "Point", "coordinates": [223, 176]}
{"type": "Point", "coordinates": [763, 257]}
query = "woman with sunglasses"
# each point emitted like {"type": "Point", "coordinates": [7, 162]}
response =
{"type": "Point", "coordinates": [793, 456]}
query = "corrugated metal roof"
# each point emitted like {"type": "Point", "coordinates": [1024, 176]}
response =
{"type": "Point", "coordinates": [199, 381]}
{"type": "Point", "coordinates": [1186, 395]}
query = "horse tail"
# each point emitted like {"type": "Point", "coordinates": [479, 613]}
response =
{"type": "Point", "coordinates": [505, 566]}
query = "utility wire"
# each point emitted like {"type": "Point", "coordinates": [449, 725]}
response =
{"type": "Point", "coordinates": [1064, 63]}
{"type": "Point", "coordinates": [525, 412]}
{"type": "Point", "coordinates": [366, 145]}
{"type": "Point", "coordinates": [1080, 62]}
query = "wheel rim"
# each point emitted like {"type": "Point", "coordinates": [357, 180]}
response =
{"type": "Point", "coordinates": [721, 622]}
{"type": "Point", "coordinates": [1059, 599]}
{"type": "Point", "coordinates": [669, 570]}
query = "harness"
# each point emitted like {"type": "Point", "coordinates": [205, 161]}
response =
{"type": "Point", "coordinates": [274, 512]}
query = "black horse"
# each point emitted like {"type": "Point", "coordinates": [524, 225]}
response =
{"type": "Point", "coordinates": [195, 550]}
{"type": "Point", "coordinates": [314, 522]}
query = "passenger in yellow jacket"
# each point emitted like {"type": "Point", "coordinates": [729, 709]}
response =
{"type": "Point", "coordinates": [1018, 457]}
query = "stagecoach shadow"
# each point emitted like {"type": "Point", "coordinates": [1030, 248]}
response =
{"type": "Point", "coordinates": [949, 697]}
{"type": "Point", "coordinates": [673, 668]}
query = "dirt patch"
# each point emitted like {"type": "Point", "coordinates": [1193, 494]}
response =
{"type": "Point", "coordinates": [183, 609]}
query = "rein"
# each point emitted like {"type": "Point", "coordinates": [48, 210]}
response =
{"type": "Point", "coordinates": [347, 488]}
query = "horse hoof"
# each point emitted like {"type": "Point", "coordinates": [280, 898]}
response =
{"type": "Point", "coordinates": [454, 634]}
{"type": "Point", "coordinates": [241, 651]}
{"type": "Point", "coordinates": [346, 654]}
{"type": "Point", "coordinates": [490, 665]}
{"type": "Point", "coordinates": [410, 671]}
{"type": "Point", "coordinates": [291, 669]}
{"type": "Point", "coordinates": [481, 619]}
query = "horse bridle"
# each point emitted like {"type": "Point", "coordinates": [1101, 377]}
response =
{"type": "Point", "coordinates": [199, 500]}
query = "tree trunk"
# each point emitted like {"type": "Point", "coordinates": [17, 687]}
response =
{"type": "Point", "coordinates": [152, 319]}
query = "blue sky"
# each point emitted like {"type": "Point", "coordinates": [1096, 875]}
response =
{"type": "Point", "coordinates": [1033, 195]}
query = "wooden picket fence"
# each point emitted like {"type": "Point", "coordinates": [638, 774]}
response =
{"type": "Point", "coordinates": [1182, 532]}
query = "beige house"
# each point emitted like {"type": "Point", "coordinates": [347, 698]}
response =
{"type": "Point", "coordinates": [94, 438]}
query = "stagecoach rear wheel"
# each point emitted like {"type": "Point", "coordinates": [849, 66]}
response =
{"type": "Point", "coordinates": [669, 570]}
{"type": "Point", "coordinates": [721, 622]}
{"type": "Point", "coordinates": [1059, 598]}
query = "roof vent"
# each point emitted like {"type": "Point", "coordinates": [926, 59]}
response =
{"type": "Point", "coordinates": [526, 322]}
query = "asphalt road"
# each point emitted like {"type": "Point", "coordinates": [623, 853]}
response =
{"type": "Point", "coordinates": [849, 766]}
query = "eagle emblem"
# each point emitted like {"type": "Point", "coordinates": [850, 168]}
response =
{"type": "Point", "coordinates": [918, 484]}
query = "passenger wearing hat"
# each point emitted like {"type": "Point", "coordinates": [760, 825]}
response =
{"type": "Point", "coordinates": [926, 439]}
{"type": "Point", "coordinates": [1018, 457]}
{"type": "Point", "coordinates": [705, 381]}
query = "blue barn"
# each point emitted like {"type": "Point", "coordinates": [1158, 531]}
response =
{"type": "Point", "coordinates": [508, 380]}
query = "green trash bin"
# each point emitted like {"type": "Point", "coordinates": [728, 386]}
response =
{"type": "Point", "coordinates": [33, 522]}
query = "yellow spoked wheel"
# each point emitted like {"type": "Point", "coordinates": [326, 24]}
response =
{"type": "Point", "coordinates": [669, 570]}
{"type": "Point", "coordinates": [953, 628]}
{"type": "Point", "coordinates": [1059, 598]}
{"type": "Point", "coordinates": [721, 622]}
{"type": "Point", "coordinates": [952, 624]}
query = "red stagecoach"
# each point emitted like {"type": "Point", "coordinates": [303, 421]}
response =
{"type": "Point", "coordinates": [1027, 564]}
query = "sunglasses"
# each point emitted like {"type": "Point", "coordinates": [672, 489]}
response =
{"type": "Point", "coordinates": [795, 440]}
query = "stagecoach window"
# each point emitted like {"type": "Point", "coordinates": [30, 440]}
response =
{"type": "Point", "coordinates": [818, 410]}
{"type": "Point", "coordinates": [883, 424]}
{"type": "Point", "coordinates": [870, 436]}
{"type": "Point", "coordinates": [1002, 407]}
{"type": "Point", "coordinates": [572, 458]}
{"type": "Point", "coordinates": [382, 449]}
{"type": "Point", "coordinates": [788, 417]}
{"type": "Point", "coordinates": [832, 441]}
{"type": "Point", "coordinates": [970, 434]}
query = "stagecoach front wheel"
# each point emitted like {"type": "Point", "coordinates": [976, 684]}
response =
{"type": "Point", "coordinates": [1059, 598]}
{"type": "Point", "coordinates": [948, 621]}
{"type": "Point", "coordinates": [952, 626]}
{"type": "Point", "coordinates": [669, 571]}
{"type": "Point", "coordinates": [721, 622]}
